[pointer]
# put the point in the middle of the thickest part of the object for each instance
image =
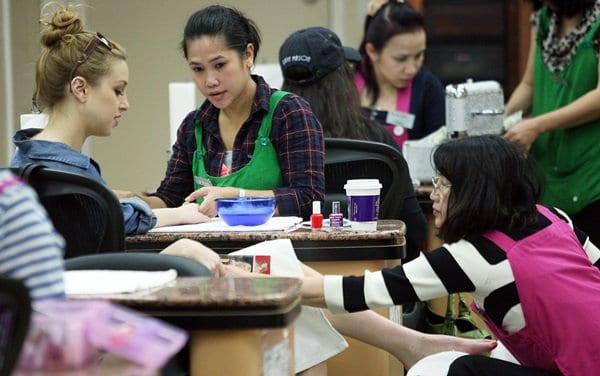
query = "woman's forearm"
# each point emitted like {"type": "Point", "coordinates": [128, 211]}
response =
{"type": "Point", "coordinates": [520, 100]}
{"type": "Point", "coordinates": [312, 291]}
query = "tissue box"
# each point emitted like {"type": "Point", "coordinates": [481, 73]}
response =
{"type": "Point", "coordinates": [67, 334]}
{"type": "Point", "coordinates": [418, 158]}
{"type": "Point", "coordinates": [418, 155]}
{"type": "Point", "coordinates": [57, 338]}
{"type": "Point", "coordinates": [145, 340]}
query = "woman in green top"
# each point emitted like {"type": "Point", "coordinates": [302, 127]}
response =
{"type": "Point", "coordinates": [561, 94]}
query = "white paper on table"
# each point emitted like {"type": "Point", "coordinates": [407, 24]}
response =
{"type": "Point", "coordinates": [315, 340]}
{"type": "Point", "coordinates": [94, 282]}
{"type": "Point", "coordinates": [217, 224]}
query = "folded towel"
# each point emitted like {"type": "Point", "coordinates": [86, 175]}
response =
{"type": "Point", "coordinates": [94, 282]}
{"type": "Point", "coordinates": [217, 224]}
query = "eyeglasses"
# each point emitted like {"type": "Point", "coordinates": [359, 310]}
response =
{"type": "Point", "coordinates": [439, 187]}
{"type": "Point", "coordinates": [87, 51]}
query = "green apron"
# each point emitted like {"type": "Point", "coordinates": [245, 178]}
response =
{"type": "Point", "coordinates": [569, 158]}
{"type": "Point", "coordinates": [262, 172]}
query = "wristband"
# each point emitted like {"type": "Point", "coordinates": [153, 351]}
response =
{"type": "Point", "coordinates": [242, 192]}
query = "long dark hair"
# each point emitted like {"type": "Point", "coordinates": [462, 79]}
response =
{"type": "Point", "coordinates": [334, 101]}
{"type": "Point", "coordinates": [390, 20]}
{"type": "Point", "coordinates": [494, 186]}
{"type": "Point", "coordinates": [237, 29]}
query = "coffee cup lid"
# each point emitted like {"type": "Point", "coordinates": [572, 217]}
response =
{"type": "Point", "coordinates": [362, 184]}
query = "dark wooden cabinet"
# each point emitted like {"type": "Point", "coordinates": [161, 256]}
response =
{"type": "Point", "coordinates": [478, 39]}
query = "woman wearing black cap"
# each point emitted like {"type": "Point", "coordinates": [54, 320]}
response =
{"type": "Point", "coordinates": [317, 67]}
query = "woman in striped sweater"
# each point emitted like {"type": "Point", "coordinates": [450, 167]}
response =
{"type": "Point", "coordinates": [30, 248]}
{"type": "Point", "coordinates": [534, 277]}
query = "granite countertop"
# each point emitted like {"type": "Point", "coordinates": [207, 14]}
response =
{"type": "Point", "coordinates": [209, 294]}
{"type": "Point", "coordinates": [388, 229]}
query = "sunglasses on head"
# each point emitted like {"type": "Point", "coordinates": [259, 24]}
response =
{"type": "Point", "coordinates": [97, 38]}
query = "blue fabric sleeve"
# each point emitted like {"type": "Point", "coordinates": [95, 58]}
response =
{"type": "Point", "coordinates": [137, 215]}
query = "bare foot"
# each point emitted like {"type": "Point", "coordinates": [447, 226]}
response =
{"type": "Point", "coordinates": [432, 343]}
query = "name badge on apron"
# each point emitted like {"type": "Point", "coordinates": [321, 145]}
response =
{"type": "Point", "coordinates": [400, 119]}
{"type": "Point", "coordinates": [202, 181]}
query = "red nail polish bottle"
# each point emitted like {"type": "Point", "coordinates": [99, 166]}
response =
{"type": "Point", "coordinates": [316, 219]}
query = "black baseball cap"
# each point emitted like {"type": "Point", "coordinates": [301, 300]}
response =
{"type": "Point", "coordinates": [318, 50]}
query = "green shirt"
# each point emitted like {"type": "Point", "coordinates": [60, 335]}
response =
{"type": "Point", "coordinates": [570, 158]}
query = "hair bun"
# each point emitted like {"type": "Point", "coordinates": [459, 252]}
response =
{"type": "Point", "coordinates": [63, 22]}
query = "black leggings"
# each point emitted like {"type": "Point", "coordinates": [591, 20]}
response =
{"type": "Point", "coordinates": [588, 221]}
{"type": "Point", "coordinates": [477, 365]}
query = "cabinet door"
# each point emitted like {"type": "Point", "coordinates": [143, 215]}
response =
{"type": "Point", "coordinates": [455, 62]}
{"type": "Point", "coordinates": [464, 19]}
{"type": "Point", "coordinates": [466, 40]}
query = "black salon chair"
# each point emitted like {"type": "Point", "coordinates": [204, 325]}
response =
{"type": "Point", "coordinates": [147, 261]}
{"type": "Point", "coordinates": [84, 211]}
{"type": "Point", "coordinates": [357, 159]}
{"type": "Point", "coordinates": [15, 314]}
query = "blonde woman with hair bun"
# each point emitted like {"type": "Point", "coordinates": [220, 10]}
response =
{"type": "Point", "coordinates": [80, 84]}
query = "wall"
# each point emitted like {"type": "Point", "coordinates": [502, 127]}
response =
{"type": "Point", "coordinates": [135, 157]}
{"type": "Point", "coordinates": [22, 39]}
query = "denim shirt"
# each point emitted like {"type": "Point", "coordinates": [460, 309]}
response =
{"type": "Point", "coordinates": [137, 215]}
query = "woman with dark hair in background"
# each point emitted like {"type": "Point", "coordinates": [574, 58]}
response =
{"type": "Point", "coordinates": [324, 78]}
{"type": "Point", "coordinates": [396, 90]}
{"type": "Point", "coordinates": [560, 95]}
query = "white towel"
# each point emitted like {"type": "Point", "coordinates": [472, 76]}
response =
{"type": "Point", "coordinates": [96, 282]}
{"type": "Point", "coordinates": [315, 340]}
{"type": "Point", "coordinates": [217, 224]}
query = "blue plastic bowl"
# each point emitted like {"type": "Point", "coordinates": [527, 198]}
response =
{"type": "Point", "coordinates": [247, 211]}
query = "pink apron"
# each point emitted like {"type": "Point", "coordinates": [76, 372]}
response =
{"type": "Point", "coordinates": [559, 290]}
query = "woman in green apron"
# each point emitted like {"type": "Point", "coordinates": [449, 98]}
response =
{"type": "Point", "coordinates": [560, 91]}
{"type": "Point", "coordinates": [246, 139]}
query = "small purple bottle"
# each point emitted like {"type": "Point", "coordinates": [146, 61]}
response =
{"type": "Point", "coordinates": [336, 218]}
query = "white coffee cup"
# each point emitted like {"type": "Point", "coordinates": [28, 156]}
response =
{"type": "Point", "coordinates": [363, 203]}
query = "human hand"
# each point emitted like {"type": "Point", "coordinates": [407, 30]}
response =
{"type": "Point", "coordinates": [210, 194]}
{"type": "Point", "coordinates": [524, 133]}
{"type": "Point", "coordinates": [189, 213]}
{"type": "Point", "coordinates": [196, 251]}
{"type": "Point", "coordinates": [234, 271]}
{"type": "Point", "coordinates": [123, 194]}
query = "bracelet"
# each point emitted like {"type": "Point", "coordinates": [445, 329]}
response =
{"type": "Point", "coordinates": [242, 192]}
